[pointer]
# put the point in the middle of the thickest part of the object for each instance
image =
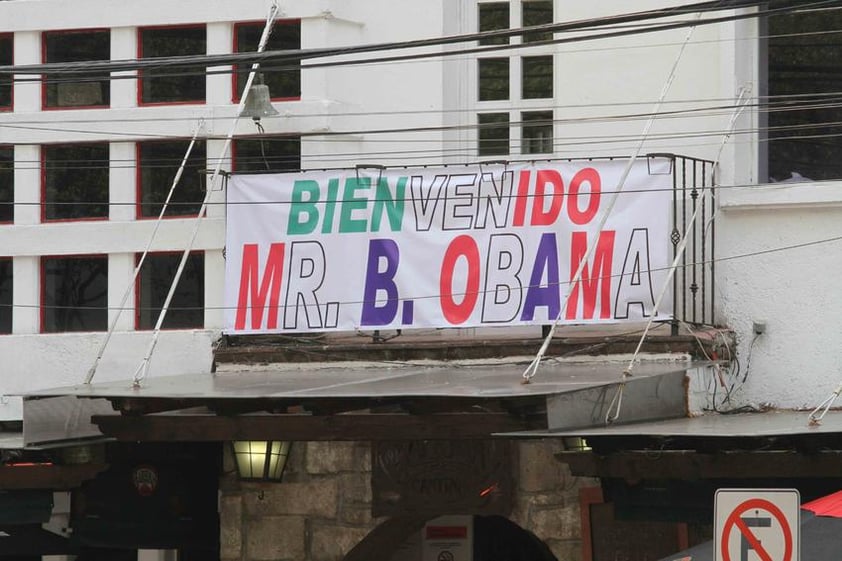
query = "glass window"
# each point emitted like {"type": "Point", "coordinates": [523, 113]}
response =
{"type": "Point", "coordinates": [536, 132]}
{"type": "Point", "coordinates": [173, 83]}
{"type": "Point", "coordinates": [493, 79]}
{"type": "Point", "coordinates": [5, 295]}
{"type": "Point", "coordinates": [537, 12]}
{"type": "Point", "coordinates": [494, 16]}
{"type": "Point", "coordinates": [283, 78]}
{"type": "Point", "coordinates": [82, 90]}
{"type": "Point", "coordinates": [7, 184]}
{"type": "Point", "coordinates": [6, 59]}
{"type": "Point", "coordinates": [187, 309]}
{"type": "Point", "coordinates": [267, 154]}
{"type": "Point", "coordinates": [75, 294]}
{"type": "Point", "coordinates": [804, 118]}
{"type": "Point", "coordinates": [493, 134]}
{"type": "Point", "coordinates": [75, 181]}
{"type": "Point", "coordinates": [158, 163]}
{"type": "Point", "coordinates": [537, 77]}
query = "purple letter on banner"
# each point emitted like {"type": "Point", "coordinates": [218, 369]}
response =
{"type": "Point", "coordinates": [546, 259]}
{"type": "Point", "coordinates": [377, 281]}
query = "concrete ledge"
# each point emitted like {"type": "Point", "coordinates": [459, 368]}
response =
{"type": "Point", "coordinates": [782, 196]}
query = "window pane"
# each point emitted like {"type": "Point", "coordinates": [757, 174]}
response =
{"type": "Point", "coordinates": [493, 134]}
{"type": "Point", "coordinates": [7, 184]}
{"type": "Point", "coordinates": [5, 295]}
{"type": "Point", "coordinates": [187, 307]}
{"type": "Point", "coordinates": [75, 294]}
{"type": "Point", "coordinates": [493, 78]}
{"type": "Point", "coordinates": [283, 78]}
{"type": "Point", "coordinates": [805, 121]}
{"type": "Point", "coordinates": [537, 12]}
{"type": "Point", "coordinates": [494, 16]}
{"type": "Point", "coordinates": [86, 90]}
{"type": "Point", "coordinates": [6, 59]}
{"type": "Point", "coordinates": [159, 162]}
{"type": "Point", "coordinates": [173, 83]}
{"type": "Point", "coordinates": [75, 181]}
{"type": "Point", "coordinates": [267, 154]}
{"type": "Point", "coordinates": [537, 132]}
{"type": "Point", "coordinates": [537, 77]}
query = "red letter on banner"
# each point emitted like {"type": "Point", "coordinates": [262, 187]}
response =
{"type": "Point", "coordinates": [461, 246]}
{"type": "Point", "coordinates": [272, 275]}
{"type": "Point", "coordinates": [540, 217]}
{"type": "Point", "coordinates": [592, 177]}
{"type": "Point", "coordinates": [520, 200]}
{"type": "Point", "coordinates": [590, 280]}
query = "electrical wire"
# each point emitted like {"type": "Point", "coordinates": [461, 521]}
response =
{"type": "Point", "coordinates": [267, 57]}
{"type": "Point", "coordinates": [706, 262]}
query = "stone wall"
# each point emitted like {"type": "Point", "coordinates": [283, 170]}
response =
{"type": "Point", "coordinates": [323, 507]}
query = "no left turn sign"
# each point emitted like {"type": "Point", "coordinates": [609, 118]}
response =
{"type": "Point", "coordinates": [757, 525]}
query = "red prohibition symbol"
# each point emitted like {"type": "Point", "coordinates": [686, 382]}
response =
{"type": "Point", "coordinates": [735, 521]}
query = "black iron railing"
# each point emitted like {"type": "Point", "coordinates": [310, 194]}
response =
{"type": "Point", "coordinates": [694, 194]}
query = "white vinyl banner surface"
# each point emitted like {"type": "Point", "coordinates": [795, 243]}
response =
{"type": "Point", "coordinates": [457, 246]}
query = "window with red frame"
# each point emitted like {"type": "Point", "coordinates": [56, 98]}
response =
{"type": "Point", "coordinates": [158, 162]}
{"type": "Point", "coordinates": [6, 59]}
{"type": "Point", "coordinates": [267, 154]}
{"type": "Point", "coordinates": [187, 309]}
{"type": "Point", "coordinates": [283, 78]}
{"type": "Point", "coordinates": [80, 90]}
{"type": "Point", "coordinates": [75, 181]}
{"type": "Point", "coordinates": [5, 295]}
{"type": "Point", "coordinates": [172, 84]}
{"type": "Point", "coordinates": [7, 184]}
{"type": "Point", "coordinates": [74, 294]}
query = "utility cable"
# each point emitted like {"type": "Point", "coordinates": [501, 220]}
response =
{"type": "Point", "coordinates": [88, 67]}
{"type": "Point", "coordinates": [532, 369]}
{"type": "Point", "coordinates": [143, 369]}
{"type": "Point", "coordinates": [133, 282]}
{"type": "Point", "coordinates": [679, 254]}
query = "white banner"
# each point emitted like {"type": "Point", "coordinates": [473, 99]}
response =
{"type": "Point", "coordinates": [463, 246]}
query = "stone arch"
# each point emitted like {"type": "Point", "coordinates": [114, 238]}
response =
{"type": "Point", "coordinates": [496, 538]}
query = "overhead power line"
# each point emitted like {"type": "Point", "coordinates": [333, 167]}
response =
{"type": "Point", "coordinates": [268, 58]}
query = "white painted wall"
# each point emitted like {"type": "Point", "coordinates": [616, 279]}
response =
{"type": "Point", "coordinates": [793, 291]}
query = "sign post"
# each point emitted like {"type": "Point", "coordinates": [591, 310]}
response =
{"type": "Point", "coordinates": [757, 525]}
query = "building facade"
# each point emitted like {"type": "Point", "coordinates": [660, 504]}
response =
{"type": "Point", "coordinates": [87, 160]}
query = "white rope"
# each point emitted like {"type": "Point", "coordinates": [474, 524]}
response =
{"type": "Point", "coordinates": [130, 288]}
{"type": "Point", "coordinates": [532, 369]}
{"type": "Point", "coordinates": [824, 407]}
{"type": "Point", "coordinates": [143, 368]}
{"type": "Point", "coordinates": [613, 414]}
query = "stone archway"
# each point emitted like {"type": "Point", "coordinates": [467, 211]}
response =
{"type": "Point", "coordinates": [495, 538]}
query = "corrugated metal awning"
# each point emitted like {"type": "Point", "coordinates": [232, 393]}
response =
{"type": "Point", "coordinates": [657, 390]}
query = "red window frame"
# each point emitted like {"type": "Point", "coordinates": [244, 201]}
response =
{"type": "Point", "coordinates": [235, 97]}
{"type": "Point", "coordinates": [44, 34]}
{"type": "Point", "coordinates": [11, 106]}
{"type": "Point", "coordinates": [139, 180]}
{"type": "Point", "coordinates": [138, 288]}
{"type": "Point", "coordinates": [43, 158]}
{"type": "Point", "coordinates": [269, 138]}
{"type": "Point", "coordinates": [139, 80]}
{"type": "Point", "coordinates": [42, 265]}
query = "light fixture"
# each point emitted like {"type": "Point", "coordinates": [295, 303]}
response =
{"type": "Point", "coordinates": [259, 102]}
{"type": "Point", "coordinates": [260, 460]}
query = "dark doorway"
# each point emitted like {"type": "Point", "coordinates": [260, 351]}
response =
{"type": "Point", "coordinates": [498, 539]}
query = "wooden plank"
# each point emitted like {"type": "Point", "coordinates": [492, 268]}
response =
{"type": "Point", "coordinates": [40, 476]}
{"type": "Point", "coordinates": [361, 427]}
{"type": "Point", "coordinates": [689, 464]}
